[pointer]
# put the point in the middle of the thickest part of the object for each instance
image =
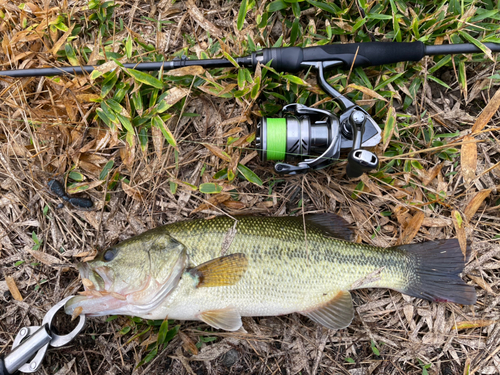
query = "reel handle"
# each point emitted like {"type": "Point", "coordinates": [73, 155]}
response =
{"type": "Point", "coordinates": [359, 161]}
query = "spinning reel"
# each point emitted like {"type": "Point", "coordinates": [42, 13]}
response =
{"type": "Point", "coordinates": [306, 131]}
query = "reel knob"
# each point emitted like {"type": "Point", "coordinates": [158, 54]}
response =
{"type": "Point", "coordinates": [359, 161]}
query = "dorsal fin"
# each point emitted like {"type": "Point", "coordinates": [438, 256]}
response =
{"type": "Point", "coordinates": [331, 225]}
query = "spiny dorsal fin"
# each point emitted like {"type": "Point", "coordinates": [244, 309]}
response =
{"type": "Point", "coordinates": [335, 314]}
{"type": "Point", "coordinates": [228, 319]}
{"type": "Point", "coordinates": [331, 224]}
{"type": "Point", "coordinates": [222, 271]}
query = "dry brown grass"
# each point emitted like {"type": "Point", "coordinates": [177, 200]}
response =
{"type": "Point", "coordinates": [46, 128]}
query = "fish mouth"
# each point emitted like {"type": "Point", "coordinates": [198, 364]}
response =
{"type": "Point", "coordinates": [101, 277]}
{"type": "Point", "coordinates": [98, 299]}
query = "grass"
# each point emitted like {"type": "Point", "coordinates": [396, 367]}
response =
{"type": "Point", "coordinates": [153, 148]}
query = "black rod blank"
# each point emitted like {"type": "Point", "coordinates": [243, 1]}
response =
{"type": "Point", "coordinates": [454, 49]}
{"type": "Point", "coordinates": [149, 66]}
{"type": "Point", "coordinates": [290, 59]}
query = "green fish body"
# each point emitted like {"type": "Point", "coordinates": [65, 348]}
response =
{"type": "Point", "coordinates": [263, 266]}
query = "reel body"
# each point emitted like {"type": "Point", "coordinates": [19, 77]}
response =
{"type": "Point", "coordinates": [314, 138]}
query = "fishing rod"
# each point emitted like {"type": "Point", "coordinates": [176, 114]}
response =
{"type": "Point", "coordinates": [305, 130]}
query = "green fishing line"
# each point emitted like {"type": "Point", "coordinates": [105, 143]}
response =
{"type": "Point", "coordinates": [276, 138]}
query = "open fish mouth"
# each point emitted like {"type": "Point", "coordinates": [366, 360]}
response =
{"type": "Point", "coordinates": [99, 279]}
{"type": "Point", "coordinates": [97, 299]}
{"type": "Point", "coordinates": [100, 299]}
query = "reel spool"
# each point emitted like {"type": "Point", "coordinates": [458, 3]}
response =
{"type": "Point", "coordinates": [300, 134]}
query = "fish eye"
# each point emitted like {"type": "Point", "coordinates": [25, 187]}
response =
{"type": "Point", "coordinates": [110, 254]}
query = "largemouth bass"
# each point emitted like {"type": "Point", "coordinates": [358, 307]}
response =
{"type": "Point", "coordinates": [217, 271]}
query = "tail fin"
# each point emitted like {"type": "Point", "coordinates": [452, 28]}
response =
{"type": "Point", "coordinates": [436, 275]}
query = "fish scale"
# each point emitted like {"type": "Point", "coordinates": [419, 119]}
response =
{"type": "Point", "coordinates": [205, 270]}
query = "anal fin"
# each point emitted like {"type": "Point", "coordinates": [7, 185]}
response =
{"type": "Point", "coordinates": [335, 314]}
{"type": "Point", "coordinates": [228, 319]}
{"type": "Point", "coordinates": [222, 271]}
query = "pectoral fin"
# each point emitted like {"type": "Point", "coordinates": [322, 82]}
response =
{"type": "Point", "coordinates": [335, 314]}
{"type": "Point", "coordinates": [228, 319]}
{"type": "Point", "coordinates": [222, 271]}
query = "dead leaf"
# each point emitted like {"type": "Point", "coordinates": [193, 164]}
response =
{"type": "Point", "coordinates": [232, 131]}
{"type": "Point", "coordinates": [234, 161]}
{"type": "Point", "coordinates": [70, 110]}
{"type": "Point", "coordinates": [213, 201]}
{"type": "Point", "coordinates": [411, 229]}
{"type": "Point", "coordinates": [483, 284]}
{"type": "Point", "coordinates": [90, 168]}
{"type": "Point", "coordinates": [211, 352]}
{"type": "Point", "coordinates": [231, 121]}
{"type": "Point", "coordinates": [127, 153]}
{"type": "Point", "coordinates": [175, 94]}
{"type": "Point", "coordinates": [475, 324]}
{"type": "Point", "coordinates": [158, 141]}
{"type": "Point", "coordinates": [92, 253]}
{"type": "Point", "coordinates": [200, 19]}
{"type": "Point", "coordinates": [227, 88]}
{"type": "Point", "coordinates": [14, 149]}
{"type": "Point", "coordinates": [460, 228]}
{"type": "Point", "coordinates": [82, 186]}
{"type": "Point", "coordinates": [249, 157]}
{"type": "Point", "coordinates": [62, 40]}
{"type": "Point", "coordinates": [107, 67]}
{"type": "Point", "coordinates": [88, 98]}
{"type": "Point", "coordinates": [66, 368]}
{"type": "Point", "coordinates": [243, 141]}
{"type": "Point", "coordinates": [234, 205]}
{"type": "Point", "coordinates": [187, 343]}
{"type": "Point", "coordinates": [218, 152]}
{"type": "Point", "coordinates": [333, 194]}
{"type": "Point", "coordinates": [48, 260]}
{"type": "Point", "coordinates": [432, 174]}
{"type": "Point", "coordinates": [195, 70]}
{"type": "Point", "coordinates": [467, 367]}
{"type": "Point", "coordinates": [93, 220]}
{"type": "Point", "coordinates": [475, 202]}
{"type": "Point", "coordinates": [150, 340]}
{"type": "Point", "coordinates": [88, 146]}
{"type": "Point", "coordinates": [102, 139]}
{"type": "Point", "coordinates": [371, 185]}
{"type": "Point", "coordinates": [265, 204]}
{"type": "Point", "coordinates": [468, 159]}
{"type": "Point", "coordinates": [436, 222]}
{"type": "Point", "coordinates": [131, 192]}
{"type": "Point", "coordinates": [364, 90]}
{"type": "Point", "coordinates": [487, 113]}
{"type": "Point", "coordinates": [389, 128]}
{"type": "Point", "coordinates": [11, 284]}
